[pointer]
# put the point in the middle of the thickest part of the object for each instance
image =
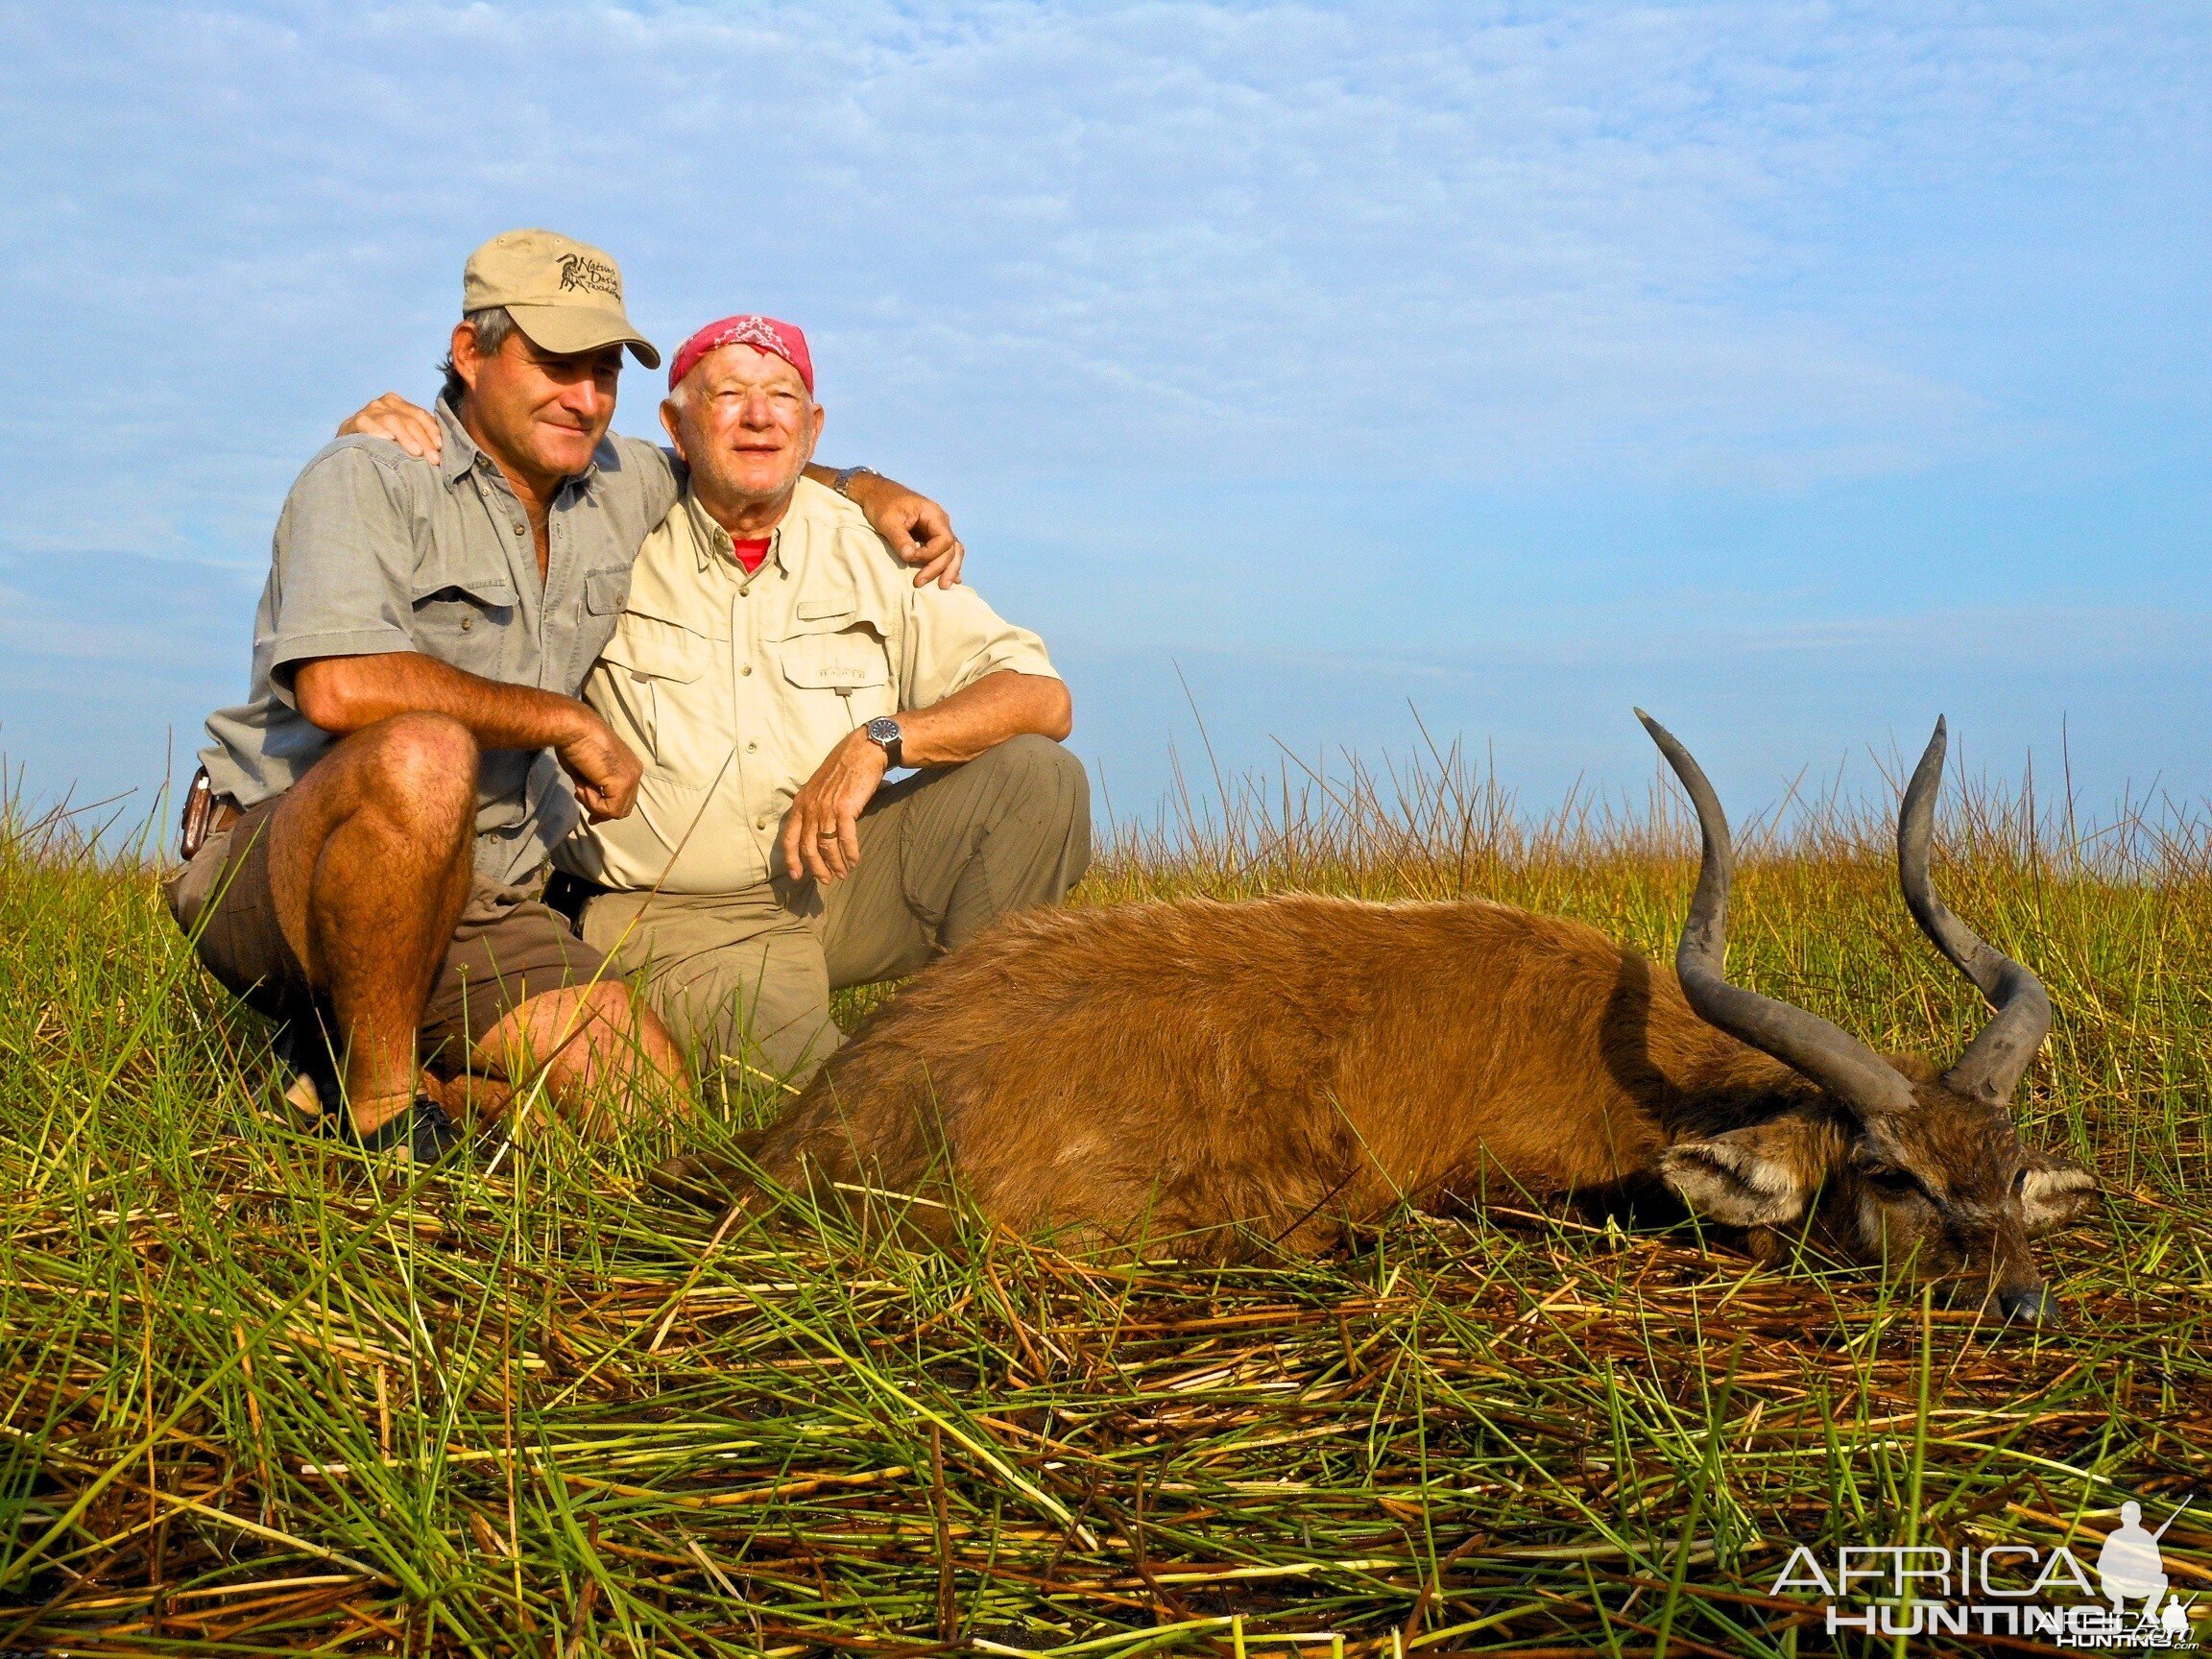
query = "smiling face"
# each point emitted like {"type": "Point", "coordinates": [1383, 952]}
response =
{"type": "Point", "coordinates": [539, 413]}
{"type": "Point", "coordinates": [1945, 1192]}
{"type": "Point", "coordinates": [744, 421]}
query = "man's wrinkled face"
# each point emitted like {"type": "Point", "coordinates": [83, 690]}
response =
{"type": "Point", "coordinates": [745, 424]}
{"type": "Point", "coordinates": [539, 411]}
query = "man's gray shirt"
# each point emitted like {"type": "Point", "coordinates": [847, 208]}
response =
{"type": "Point", "coordinates": [376, 551]}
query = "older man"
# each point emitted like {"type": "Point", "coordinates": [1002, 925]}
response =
{"type": "Point", "coordinates": [366, 854]}
{"type": "Point", "coordinates": [772, 666]}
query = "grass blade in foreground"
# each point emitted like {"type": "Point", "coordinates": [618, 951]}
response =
{"type": "Point", "coordinates": [324, 1412]}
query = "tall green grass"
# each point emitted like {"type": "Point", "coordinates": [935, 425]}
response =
{"type": "Point", "coordinates": [260, 1396]}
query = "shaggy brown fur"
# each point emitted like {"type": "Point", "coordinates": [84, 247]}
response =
{"type": "Point", "coordinates": [1287, 1065]}
{"type": "Point", "coordinates": [1216, 1078]}
{"type": "Point", "coordinates": [1213, 1079]}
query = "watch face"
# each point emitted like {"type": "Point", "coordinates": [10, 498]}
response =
{"type": "Point", "coordinates": [883, 730]}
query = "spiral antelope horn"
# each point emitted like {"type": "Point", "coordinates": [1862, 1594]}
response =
{"type": "Point", "coordinates": [1804, 1042]}
{"type": "Point", "coordinates": [1994, 1062]}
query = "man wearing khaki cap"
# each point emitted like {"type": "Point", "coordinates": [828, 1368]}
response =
{"type": "Point", "coordinates": [566, 296]}
{"type": "Point", "coordinates": [367, 849]}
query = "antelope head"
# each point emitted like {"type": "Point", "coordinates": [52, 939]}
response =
{"type": "Point", "coordinates": [1896, 1161]}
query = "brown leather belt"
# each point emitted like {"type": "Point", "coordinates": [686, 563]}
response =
{"type": "Point", "coordinates": [205, 814]}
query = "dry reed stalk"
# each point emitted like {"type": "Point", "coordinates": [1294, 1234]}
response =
{"type": "Point", "coordinates": [314, 1407]}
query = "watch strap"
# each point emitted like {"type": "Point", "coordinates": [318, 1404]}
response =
{"type": "Point", "coordinates": [883, 732]}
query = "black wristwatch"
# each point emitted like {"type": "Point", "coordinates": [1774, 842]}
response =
{"type": "Point", "coordinates": [883, 732]}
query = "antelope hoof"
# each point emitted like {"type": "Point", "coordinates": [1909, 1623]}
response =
{"type": "Point", "coordinates": [2035, 1306]}
{"type": "Point", "coordinates": [701, 1179]}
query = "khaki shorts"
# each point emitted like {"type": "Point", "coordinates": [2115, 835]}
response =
{"type": "Point", "coordinates": [507, 948]}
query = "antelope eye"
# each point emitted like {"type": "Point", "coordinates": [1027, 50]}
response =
{"type": "Point", "coordinates": [1894, 1183]}
{"type": "Point", "coordinates": [2020, 1179]}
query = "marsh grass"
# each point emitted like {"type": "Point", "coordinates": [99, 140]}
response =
{"type": "Point", "coordinates": [260, 1398]}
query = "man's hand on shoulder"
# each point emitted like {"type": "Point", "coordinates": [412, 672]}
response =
{"type": "Point", "coordinates": [917, 529]}
{"type": "Point", "coordinates": [410, 426]}
{"type": "Point", "coordinates": [822, 830]}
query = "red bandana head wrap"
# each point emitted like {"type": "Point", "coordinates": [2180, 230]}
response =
{"type": "Point", "coordinates": [762, 333]}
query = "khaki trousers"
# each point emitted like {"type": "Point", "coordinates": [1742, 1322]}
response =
{"type": "Point", "coordinates": [743, 979]}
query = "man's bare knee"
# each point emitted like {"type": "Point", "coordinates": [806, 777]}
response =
{"type": "Point", "coordinates": [609, 1005]}
{"type": "Point", "coordinates": [644, 1076]}
{"type": "Point", "coordinates": [605, 1057]}
{"type": "Point", "coordinates": [558, 1031]}
{"type": "Point", "coordinates": [420, 769]}
{"type": "Point", "coordinates": [629, 1041]}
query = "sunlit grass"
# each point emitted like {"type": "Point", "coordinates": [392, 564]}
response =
{"type": "Point", "coordinates": [259, 1397]}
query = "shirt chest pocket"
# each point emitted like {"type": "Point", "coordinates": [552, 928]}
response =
{"type": "Point", "coordinates": [465, 615]}
{"type": "Point", "coordinates": [655, 674]}
{"type": "Point", "coordinates": [605, 593]}
{"type": "Point", "coordinates": [832, 645]}
{"type": "Point", "coordinates": [653, 649]}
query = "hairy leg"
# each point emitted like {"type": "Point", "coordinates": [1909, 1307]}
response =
{"type": "Point", "coordinates": [369, 863]}
{"type": "Point", "coordinates": [605, 1057]}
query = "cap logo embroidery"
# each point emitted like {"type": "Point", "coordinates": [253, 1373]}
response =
{"type": "Point", "coordinates": [593, 275]}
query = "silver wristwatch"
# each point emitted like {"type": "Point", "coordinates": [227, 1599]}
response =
{"type": "Point", "coordinates": [883, 732]}
{"type": "Point", "coordinates": [844, 475]}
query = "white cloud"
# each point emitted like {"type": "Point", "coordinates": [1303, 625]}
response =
{"type": "Point", "coordinates": [1485, 242]}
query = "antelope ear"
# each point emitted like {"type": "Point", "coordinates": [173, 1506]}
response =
{"type": "Point", "coordinates": [1761, 1175]}
{"type": "Point", "coordinates": [2057, 1190]}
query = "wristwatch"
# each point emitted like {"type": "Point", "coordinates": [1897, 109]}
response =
{"type": "Point", "coordinates": [883, 732]}
{"type": "Point", "coordinates": [844, 475]}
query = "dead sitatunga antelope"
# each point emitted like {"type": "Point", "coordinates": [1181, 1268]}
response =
{"type": "Point", "coordinates": [1214, 1078]}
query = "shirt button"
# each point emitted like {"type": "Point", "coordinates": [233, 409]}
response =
{"type": "Point", "coordinates": [747, 669]}
{"type": "Point", "coordinates": [467, 623]}
{"type": "Point", "coordinates": [760, 824]}
{"type": "Point", "coordinates": [751, 747]}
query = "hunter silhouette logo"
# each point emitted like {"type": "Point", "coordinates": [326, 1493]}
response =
{"type": "Point", "coordinates": [2004, 1589]}
{"type": "Point", "coordinates": [2131, 1566]}
{"type": "Point", "coordinates": [592, 276]}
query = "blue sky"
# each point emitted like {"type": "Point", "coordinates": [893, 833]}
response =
{"type": "Point", "coordinates": [1794, 370]}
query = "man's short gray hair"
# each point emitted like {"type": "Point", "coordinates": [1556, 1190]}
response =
{"type": "Point", "coordinates": [491, 326]}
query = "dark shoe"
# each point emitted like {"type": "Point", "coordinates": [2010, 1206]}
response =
{"type": "Point", "coordinates": [429, 1136]}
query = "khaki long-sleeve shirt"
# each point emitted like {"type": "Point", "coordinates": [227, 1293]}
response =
{"type": "Point", "coordinates": [732, 688]}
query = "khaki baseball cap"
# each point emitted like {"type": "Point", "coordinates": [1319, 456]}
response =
{"type": "Point", "coordinates": [566, 296]}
